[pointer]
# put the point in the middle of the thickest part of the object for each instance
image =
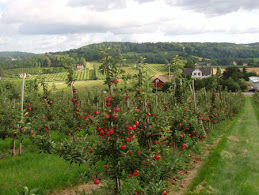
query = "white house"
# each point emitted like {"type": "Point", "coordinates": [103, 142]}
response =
{"type": "Point", "coordinates": [199, 73]}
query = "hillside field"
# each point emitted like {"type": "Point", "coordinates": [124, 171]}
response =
{"type": "Point", "coordinates": [250, 69]}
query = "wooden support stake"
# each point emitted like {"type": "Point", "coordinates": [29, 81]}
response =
{"type": "Point", "coordinates": [194, 96]}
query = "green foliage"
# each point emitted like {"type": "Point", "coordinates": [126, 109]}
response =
{"type": "Point", "coordinates": [2, 72]}
{"type": "Point", "coordinates": [189, 64]}
{"type": "Point", "coordinates": [218, 73]}
{"type": "Point", "coordinates": [233, 72]}
{"type": "Point", "coordinates": [111, 66]}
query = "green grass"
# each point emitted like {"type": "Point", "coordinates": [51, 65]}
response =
{"type": "Point", "coordinates": [34, 170]}
{"type": "Point", "coordinates": [233, 167]}
{"type": "Point", "coordinates": [44, 171]}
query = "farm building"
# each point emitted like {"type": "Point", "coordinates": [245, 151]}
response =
{"type": "Point", "coordinates": [159, 80]}
{"type": "Point", "coordinates": [21, 75]}
{"type": "Point", "coordinates": [254, 82]}
{"type": "Point", "coordinates": [80, 67]}
{"type": "Point", "coordinates": [199, 73]}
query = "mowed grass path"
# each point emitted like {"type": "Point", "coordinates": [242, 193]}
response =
{"type": "Point", "coordinates": [233, 168]}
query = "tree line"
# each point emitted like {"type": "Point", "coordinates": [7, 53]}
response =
{"type": "Point", "coordinates": [157, 53]}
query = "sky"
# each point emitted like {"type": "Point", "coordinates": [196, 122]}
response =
{"type": "Point", "coordinates": [41, 26]}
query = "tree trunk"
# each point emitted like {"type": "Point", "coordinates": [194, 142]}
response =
{"type": "Point", "coordinates": [13, 150]}
{"type": "Point", "coordinates": [175, 150]}
{"type": "Point", "coordinates": [20, 146]}
{"type": "Point", "coordinates": [74, 137]}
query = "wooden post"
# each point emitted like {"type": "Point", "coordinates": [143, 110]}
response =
{"type": "Point", "coordinates": [22, 98]}
{"type": "Point", "coordinates": [174, 89]}
{"type": "Point", "coordinates": [194, 96]}
{"type": "Point", "coordinates": [128, 103]}
{"type": "Point", "coordinates": [22, 92]}
{"type": "Point", "coordinates": [72, 94]}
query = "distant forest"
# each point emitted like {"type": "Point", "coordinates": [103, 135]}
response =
{"type": "Point", "coordinates": [222, 54]}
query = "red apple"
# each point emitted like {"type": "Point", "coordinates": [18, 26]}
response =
{"type": "Point", "coordinates": [116, 81]}
{"type": "Point", "coordinates": [135, 173]}
{"type": "Point", "coordinates": [157, 157]}
{"type": "Point", "coordinates": [117, 109]}
{"type": "Point", "coordinates": [96, 182]}
{"type": "Point", "coordinates": [108, 99]}
{"type": "Point", "coordinates": [106, 116]}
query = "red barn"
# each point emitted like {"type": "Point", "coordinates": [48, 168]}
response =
{"type": "Point", "coordinates": [158, 82]}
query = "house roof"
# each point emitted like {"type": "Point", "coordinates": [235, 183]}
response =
{"type": "Point", "coordinates": [254, 79]}
{"type": "Point", "coordinates": [161, 78]}
{"type": "Point", "coordinates": [205, 71]}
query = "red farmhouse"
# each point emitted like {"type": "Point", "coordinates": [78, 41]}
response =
{"type": "Point", "coordinates": [158, 82]}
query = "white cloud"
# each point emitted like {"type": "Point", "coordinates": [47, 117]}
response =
{"type": "Point", "coordinates": [215, 7]}
{"type": "Point", "coordinates": [54, 25]}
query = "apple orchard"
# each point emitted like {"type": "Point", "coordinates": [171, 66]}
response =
{"type": "Point", "coordinates": [132, 139]}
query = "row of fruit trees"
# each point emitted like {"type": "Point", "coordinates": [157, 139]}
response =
{"type": "Point", "coordinates": [132, 140]}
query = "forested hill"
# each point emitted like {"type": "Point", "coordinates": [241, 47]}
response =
{"type": "Point", "coordinates": [221, 53]}
{"type": "Point", "coordinates": [160, 53]}
{"type": "Point", "coordinates": [5, 55]}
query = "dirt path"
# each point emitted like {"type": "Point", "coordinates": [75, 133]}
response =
{"type": "Point", "coordinates": [233, 168]}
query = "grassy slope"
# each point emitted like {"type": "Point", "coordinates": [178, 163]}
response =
{"type": "Point", "coordinates": [234, 166]}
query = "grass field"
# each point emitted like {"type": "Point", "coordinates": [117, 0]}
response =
{"type": "Point", "coordinates": [233, 167]}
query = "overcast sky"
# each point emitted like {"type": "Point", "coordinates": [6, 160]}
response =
{"type": "Point", "coordinates": [41, 26]}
